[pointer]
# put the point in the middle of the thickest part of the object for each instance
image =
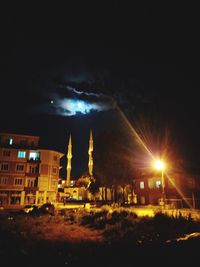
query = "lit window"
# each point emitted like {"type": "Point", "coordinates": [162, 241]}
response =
{"type": "Point", "coordinates": [21, 154]}
{"type": "Point", "coordinates": [142, 199]}
{"type": "Point", "coordinates": [20, 167]}
{"type": "Point", "coordinates": [34, 155]}
{"type": "Point", "coordinates": [158, 184]}
{"type": "Point", "coordinates": [72, 183]}
{"type": "Point", "coordinates": [10, 141]}
{"type": "Point", "coordinates": [151, 183]}
{"type": "Point", "coordinates": [141, 185]}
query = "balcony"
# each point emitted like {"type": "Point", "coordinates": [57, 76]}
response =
{"type": "Point", "coordinates": [32, 189]}
{"type": "Point", "coordinates": [34, 160]}
{"type": "Point", "coordinates": [30, 174]}
{"type": "Point", "coordinates": [18, 145]}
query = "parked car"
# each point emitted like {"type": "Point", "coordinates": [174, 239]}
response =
{"type": "Point", "coordinates": [47, 208]}
{"type": "Point", "coordinates": [30, 208]}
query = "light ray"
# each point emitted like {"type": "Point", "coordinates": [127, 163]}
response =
{"type": "Point", "coordinates": [134, 132]}
{"type": "Point", "coordinates": [179, 191]}
{"type": "Point", "coordinates": [142, 143]}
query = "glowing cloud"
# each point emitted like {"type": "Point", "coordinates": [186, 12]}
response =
{"type": "Point", "coordinates": [71, 107]}
{"type": "Point", "coordinates": [69, 101]}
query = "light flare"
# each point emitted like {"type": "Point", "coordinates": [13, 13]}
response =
{"type": "Point", "coordinates": [134, 133]}
{"type": "Point", "coordinates": [179, 191]}
{"type": "Point", "coordinates": [160, 164]}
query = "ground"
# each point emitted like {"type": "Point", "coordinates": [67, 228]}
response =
{"type": "Point", "coordinates": [61, 241]}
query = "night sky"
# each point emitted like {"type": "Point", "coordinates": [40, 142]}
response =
{"type": "Point", "coordinates": [65, 70]}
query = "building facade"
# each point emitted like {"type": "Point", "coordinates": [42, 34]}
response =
{"type": "Point", "coordinates": [28, 175]}
{"type": "Point", "coordinates": [181, 190]}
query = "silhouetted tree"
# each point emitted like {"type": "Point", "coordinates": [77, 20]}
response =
{"type": "Point", "coordinates": [113, 156]}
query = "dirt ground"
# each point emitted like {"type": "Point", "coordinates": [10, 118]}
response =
{"type": "Point", "coordinates": [58, 241]}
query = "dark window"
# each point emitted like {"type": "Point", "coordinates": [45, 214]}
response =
{"type": "Point", "coordinates": [6, 153]}
{"type": "Point", "coordinates": [4, 167]}
{"type": "Point", "coordinates": [18, 181]}
{"type": "Point", "coordinates": [3, 180]}
{"type": "Point", "coordinates": [20, 167]}
{"type": "Point", "coordinates": [54, 170]}
{"type": "Point", "coordinates": [23, 142]}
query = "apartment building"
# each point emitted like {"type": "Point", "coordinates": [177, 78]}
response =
{"type": "Point", "coordinates": [180, 190]}
{"type": "Point", "coordinates": [27, 174]}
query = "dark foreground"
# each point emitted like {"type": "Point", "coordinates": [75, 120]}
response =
{"type": "Point", "coordinates": [57, 241]}
{"type": "Point", "coordinates": [38, 253]}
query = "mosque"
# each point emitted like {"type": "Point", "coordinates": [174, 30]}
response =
{"type": "Point", "coordinates": [181, 190]}
{"type": "Point", "coordinates": [79, 189]}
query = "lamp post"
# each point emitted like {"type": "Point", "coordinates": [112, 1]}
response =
{"type": "Point", "coordinates": [159, 165]}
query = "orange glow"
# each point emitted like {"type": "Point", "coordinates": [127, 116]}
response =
{"type": "Point", "coordinates": [159, 165]}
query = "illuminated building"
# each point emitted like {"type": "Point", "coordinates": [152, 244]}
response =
{"type": "Point", "coordinates": [78, 189]}
{"type": "Point", "coordinates": [181, 189]}
{"type": "Point", "coordinates": [27, 174]}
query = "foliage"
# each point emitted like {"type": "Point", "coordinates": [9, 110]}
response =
{"type": "Point", "coordinates": [113, 159]}
{"type": "Point", "coordinates": [93, 186]}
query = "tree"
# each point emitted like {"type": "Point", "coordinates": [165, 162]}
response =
{"type": "Point", "coordinates": [113, 161]}
{"type": "Point", "coordinates": [93, 187]}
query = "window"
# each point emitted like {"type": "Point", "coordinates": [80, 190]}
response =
{"type": "Point", "coordinates": [54, 170]}
{"type": "Point", "coordinates": [151, 183]}
{"type": "Point", "coordinates": [20, 167]}
{"type": "Point", "coordinates": [23, 142]}
{"type": "Point", "coordinates": [32, 169]}
{"type": "Point", "coordinates": [34, 156]}
{"type": "Point", "coordinates": [158, 184]}
{"type": "Point", "coordinates": [4, 167]}
{"type": "Point", "coordinates": [141, 185]}
{"type": "Point", "coordinates": [21, 154]}
{"type": "Point", "coordinates": [6, 153]}
{"type": "Point", "coordinates": [10, 141]}
{"type": "Point", "coordinates": [33, 143]}
{"type": "Point", "coordinates": [18, 181]}
{"type": "Point", "coordinates": [54, 183]}
{"type": "Point", "coordinates": [30, 183]}
{"type": "Point", "coordinates": [142, 199]}
{"type": "Point", "coordinates": [44, 169]}
{"type": "Point", "coordinates": [3, 180]}
{"type": "Point", "coordinates": [72, 183]}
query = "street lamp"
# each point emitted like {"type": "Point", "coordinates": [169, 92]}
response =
{"type": "Point", "coordinates": [159, 165]}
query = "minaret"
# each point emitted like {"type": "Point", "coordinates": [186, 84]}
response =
{"type": "Point", "coordinates": [69, 157]}
{"type": "Point", "coordinates": [90, 153]}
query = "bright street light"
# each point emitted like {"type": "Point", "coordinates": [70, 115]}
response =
{"type": "Point", "coordinates": [159, 165]}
